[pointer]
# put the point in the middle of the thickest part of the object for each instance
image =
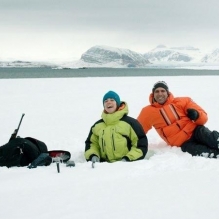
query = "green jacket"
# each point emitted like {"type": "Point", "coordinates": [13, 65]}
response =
{"type": "Point", "coordinates": [116, 136]}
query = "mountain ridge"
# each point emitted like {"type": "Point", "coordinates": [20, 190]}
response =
{"type": "Point", "coordinates": [112, 57]}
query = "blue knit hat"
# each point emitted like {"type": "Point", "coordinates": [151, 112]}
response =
{"type": "Point", "coordinates": [112, 95]}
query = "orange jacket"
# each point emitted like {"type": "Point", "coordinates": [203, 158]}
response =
{"type": "Point", "coordinates": [170, 119]}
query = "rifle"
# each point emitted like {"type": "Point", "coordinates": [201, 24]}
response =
{"type": "Point", "coordinates": [14, 134]}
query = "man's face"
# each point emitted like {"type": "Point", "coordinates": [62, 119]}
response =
{"type": "Point", "coordinates": [160, 95]}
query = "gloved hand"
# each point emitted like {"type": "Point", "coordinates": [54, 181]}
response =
{"type": "Point", "coordinates": [192, 114]}
{"type": "Point", "coordinates": [124, 160]}
{"type": "Point", "coordinates": [70, 163]}
{"type": "Point", "coordinates": [95, 159]}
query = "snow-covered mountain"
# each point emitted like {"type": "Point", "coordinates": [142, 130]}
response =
{"type": "Point", "coordinates": [161, 56]}
{"type": "Point", "coordinates": [187, 56]}
{"type": "Point", "coordinates": [174, 55]}
{"type": "Point", "coordinates": [212, 57]}
{"type": "Point", "coordinates": [111, 57]}
{"type": "Point", "coordinates": [104, 56]}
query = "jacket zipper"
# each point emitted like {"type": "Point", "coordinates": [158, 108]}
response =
{"type": "Point", "coordinates": [103, 141]}
{"type": "Point", "coordinates": [113, 142]}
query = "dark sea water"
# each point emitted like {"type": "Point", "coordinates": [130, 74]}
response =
{"type": "Point", "coordinates": [97, 72]}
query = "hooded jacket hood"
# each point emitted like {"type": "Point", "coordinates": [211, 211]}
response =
{"type": "Point", "coordinates": [112, 118]}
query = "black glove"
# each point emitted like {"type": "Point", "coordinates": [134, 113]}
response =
{"type": "Point", "coordinates": [192, 114]}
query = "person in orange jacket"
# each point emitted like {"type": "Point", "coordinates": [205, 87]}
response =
{"type": "Point", "coordinates": [180, 122]}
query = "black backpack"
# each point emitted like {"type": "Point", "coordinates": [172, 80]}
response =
{"type": "Point", "coordinates": [21, 151]}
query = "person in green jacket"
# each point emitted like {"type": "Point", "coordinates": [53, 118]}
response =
{"type": "Point", "coordinates": [116, 136]}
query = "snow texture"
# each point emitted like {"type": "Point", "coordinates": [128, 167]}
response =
{"type": "Point", "coordinates": [166, 184]}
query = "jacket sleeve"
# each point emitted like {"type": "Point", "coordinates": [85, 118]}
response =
{"type": "Point", "coordinates": [203, 118]}
{"type": "Point", "coordinates": [144, 119]}
{"type": "Point", "coordinates": [91, 145]}
{"type": "Point", "coordinates": [139, 142]}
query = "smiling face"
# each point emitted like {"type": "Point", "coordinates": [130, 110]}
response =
{"type": "Point", "coordinates": [160, 95]}
{"type": "Point", "coordinates": [110, 105]}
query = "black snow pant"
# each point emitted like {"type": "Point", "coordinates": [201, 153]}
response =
{"type": "Point", "coordinates": [202, 143]}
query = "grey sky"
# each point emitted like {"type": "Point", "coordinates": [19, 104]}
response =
{"type": "Point", "coordinates": [54, 29]}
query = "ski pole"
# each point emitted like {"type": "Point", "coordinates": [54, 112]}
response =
{"type": "Point", "coordinates": [57, 161]}
{"type": "Point", "coordinates": [58, 168]}
{"type": "Point", "coordinates": [94, 159]}
{"type": "Point", "coordinates": [93, 164]}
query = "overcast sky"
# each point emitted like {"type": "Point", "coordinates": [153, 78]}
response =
{"type": "Point", "coordinates": [65, 29]}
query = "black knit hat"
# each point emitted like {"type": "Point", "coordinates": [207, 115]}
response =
{"type": "Point", "coordinates": [162, 84]}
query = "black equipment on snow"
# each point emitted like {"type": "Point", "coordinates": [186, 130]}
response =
{"type": "Point", "coordinates": [23, 151]}
{"type": "Point", "coordinates": [30, 152]}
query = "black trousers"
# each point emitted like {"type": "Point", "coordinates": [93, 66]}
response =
{"type": "Point", "coordinates": [202, 143]}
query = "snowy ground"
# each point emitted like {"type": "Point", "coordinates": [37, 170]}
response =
{"type": "Point", "coordinates": [167, 184]}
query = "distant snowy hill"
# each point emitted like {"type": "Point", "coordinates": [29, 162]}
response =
{"type": "Point", "coordinates": [25, 64]}
{"type": "Point", "coordinates": [212, 57]}
{"type": "Point", "coordinates": [174, 55]}
{"type": "Point", "coordinates": [104, 56]}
